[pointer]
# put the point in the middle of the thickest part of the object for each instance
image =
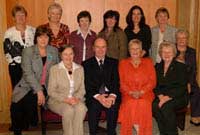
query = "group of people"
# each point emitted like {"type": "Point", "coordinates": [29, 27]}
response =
{"type": "Point", "coordinates": [83, 72]}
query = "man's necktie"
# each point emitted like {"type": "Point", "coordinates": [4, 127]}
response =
{"type": "Point", "coordinates": [102, 87]}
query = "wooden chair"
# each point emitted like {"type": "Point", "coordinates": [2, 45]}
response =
{"type": "Point", "coordinates": [47, 117]}
{"type": "Point", "coordinates": [180, 115]}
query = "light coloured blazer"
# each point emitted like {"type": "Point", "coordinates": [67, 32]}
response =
{"type": "Point", "coordinates": [169, 35]}
{"type": "Point", "coordinates": [32, 71]}
{"type": "Point", "coordinates": [59, 84]}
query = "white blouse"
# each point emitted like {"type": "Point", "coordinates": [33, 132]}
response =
{"type": "Point", "coordinates": [14, 35]}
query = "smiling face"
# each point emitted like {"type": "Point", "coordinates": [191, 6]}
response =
{"type": "Point", "coordinates": [42, 40]}
{"type": "Point", "coordinates": [110, 22]}
{"type": "Point", "coordinates": [182, 41]}
{"type": "Point", "coordinates": [135, 51]}
{"type": "Point", "coordinates": [84, 23]}
{"type": "Point", "coordinates": [54, 15]}
{"type": "Point", "coordinates": [136, 16]}
{"type": "Point", "coordinates": [20, 18]}
{"type": "Point", "coordinates": [167, 54]}
{"type": "Point", "coordinates": [162, 18]}
{"type": "Point", "coordinates": [67, 56]}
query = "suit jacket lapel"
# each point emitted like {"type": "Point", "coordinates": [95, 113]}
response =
{"type": "Point", "coordinates": [37, 58]}
{"type": "Point", "coordinates": [170, 68]}
{"type": "Point", "coordinates": [64, 77]}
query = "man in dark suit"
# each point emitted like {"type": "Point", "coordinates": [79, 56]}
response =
{"type": "Point", "coordinates": [102, 88]}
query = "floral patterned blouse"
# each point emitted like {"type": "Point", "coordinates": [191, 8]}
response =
{"type": "Point", "coordinates": [62, 37]}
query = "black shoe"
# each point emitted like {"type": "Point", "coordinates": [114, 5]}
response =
{"type": "Point", "coordinates": [196, 124]}
{"type": "Point", "coordinates": [10, 128]}
{"type": "Point", "coordinates": [17, 133]}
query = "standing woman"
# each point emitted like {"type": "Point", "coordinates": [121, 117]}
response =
{"type": "Point", "coordinates": [187, 55]}
{"type": "Point", "coordinates": [31, 89]}
{"type": "Point", "coordinates": [138, 29]}
{"type": "Point", "coordinates": [83, 38]}
{"type": "Point", "coordinates": [59, 32]}
{"type": "Point", "coordinates": [16, 39]}
{"type": "Point", "coordinates": [161, 32]}
{"type": "Point", "coordinates": [66, 92]}
{"type": "Point", "coordinates": [114, 35]}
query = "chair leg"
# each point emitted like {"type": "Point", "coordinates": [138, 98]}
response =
{"type": "Point", "coordinates": [43, 126]}
{"type": "Point", "coordinates": [43, 123]}
{"type": "Point", "coordinates": [181, 120]}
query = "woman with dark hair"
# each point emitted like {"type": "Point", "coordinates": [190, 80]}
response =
{"type": "Point", "coordinates": [83, 38]}
{"type": "Point", "coordinates": [66, 92]}
{"type": "Point", "coordinates": [31, 89]}
{"type": "Point", "coordinates": [114, 35]}
{"type": "Point", "coordinates": [138, 29]}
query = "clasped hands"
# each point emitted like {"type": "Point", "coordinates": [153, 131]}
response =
{"type": "Point", "coordinates": [163, 99]}
{"type": "Point", "coordinates": [71, 100]}
{"type": "Point", "coordinates": [136, 94]}
{"type": "Point", "coordinates": [106, 100]}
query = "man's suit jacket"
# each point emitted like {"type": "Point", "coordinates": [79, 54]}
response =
{"type": "Point", "coordinates": [32, 70]}
{"type": "Point", "coordinates": [93, 79]}
{"type": "Point", "coordinates": [169, 35]}
{"type": "Point", "coordinates": [174, 83]}
{"type": "Point", "coordinates": [59, 84]}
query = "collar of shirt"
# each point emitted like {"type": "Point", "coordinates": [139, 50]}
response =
{"type": "Point", "coordinates": [74, 66]}
{"type": "Point", "coordinates": [98, 60]}
{"type": "Point", "coordinates": [80, 32]}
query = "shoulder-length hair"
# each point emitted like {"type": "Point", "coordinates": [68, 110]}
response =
{"type": "Point", "coordinates": [41, 30]}
{"type": "Point", "coordinates": [129, 20]}
{"type": "Point", "coordinates": [111, 14]}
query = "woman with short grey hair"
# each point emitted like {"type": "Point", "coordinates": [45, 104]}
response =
{"type": "Point", "coordinates": [187, 55]}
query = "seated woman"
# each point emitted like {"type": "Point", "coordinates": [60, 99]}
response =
{"type": "Point", "coordinates": [187, 55]}
{"type": "Point", "coordinates": [171, 90]}
{"type": "Point", "coordinates": [66, 92]}
{"type": "Point", "coordinates": [36, 62]}
{"type": "Point", "coordinates": [137, 80]}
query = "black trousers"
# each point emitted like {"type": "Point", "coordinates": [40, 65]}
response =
{"type": "Point", "coordinates": [195, 101]}
{"type": "Point", "coordinates": [15, 72]}
{"type": "Point", "coordinates": [94, 112]}
{"type": "Point", "coordinates": [24, 113]}
{"type": "Point", "coordinates": [166, 115]}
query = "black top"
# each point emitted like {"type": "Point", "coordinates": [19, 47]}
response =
{"type": "Point", "coordinates": [143, 35]}
{"type": "Point", "coordinates": [174, 82]}
{"type": "Point", "coordinates": [44, 60]}
{"type": "Point", "coordinates": [94, 78]}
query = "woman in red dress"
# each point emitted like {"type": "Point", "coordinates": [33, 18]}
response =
{"type": "Point", "coordinates": [137, 80]}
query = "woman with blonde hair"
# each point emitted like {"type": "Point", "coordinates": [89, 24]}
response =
{"type": "Point", "coordinates": [171, 89]}
{"type": "Point", "coordinates": [137, 80]}
{"type": "Point", "coordinates": [59, 32]}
